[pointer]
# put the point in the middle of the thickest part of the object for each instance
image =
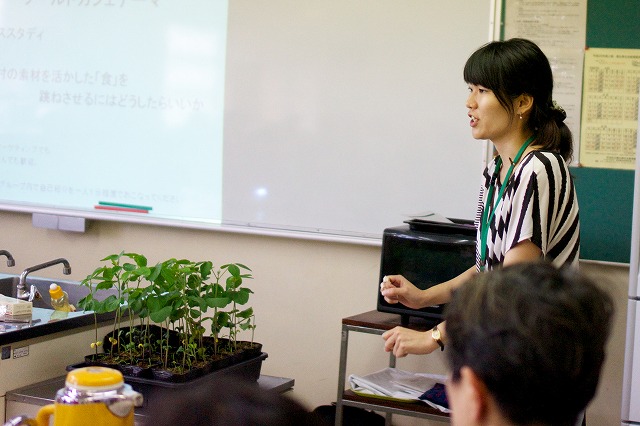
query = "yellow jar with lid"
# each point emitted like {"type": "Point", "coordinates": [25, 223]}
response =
{"type": "Point", "coordinates": [92, 395]}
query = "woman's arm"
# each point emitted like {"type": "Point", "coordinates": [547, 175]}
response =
{"type": "Point", "coordinates": [524, 251]}
{"type": "Point", "coordinates": [396, 288]}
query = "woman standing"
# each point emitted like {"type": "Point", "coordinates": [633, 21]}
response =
{"type": "Point", "coordinates": [527, 207]}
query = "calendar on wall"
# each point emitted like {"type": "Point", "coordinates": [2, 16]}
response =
{"type": "Point", "coordinates": [610, 108]}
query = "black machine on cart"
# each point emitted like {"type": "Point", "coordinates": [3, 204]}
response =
{"type": "Point", "coordinates": [426, 253]}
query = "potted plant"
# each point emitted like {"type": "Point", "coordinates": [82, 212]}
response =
{"type": "Point", "coordinates": [162, 313]}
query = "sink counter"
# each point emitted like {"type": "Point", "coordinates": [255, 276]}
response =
{"type": "Point", "coordinates": [43, 347]}
{"type": "Point", "coordinates": [46, 322]}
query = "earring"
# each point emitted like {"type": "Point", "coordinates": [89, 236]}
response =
{"type": "Point", "coordinates": [520, 115]}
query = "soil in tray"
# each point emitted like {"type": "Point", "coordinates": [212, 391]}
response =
{"type": "Point", "coordinates": [248, 370]}
{"type": "Point", "coordinates": [149, 365]}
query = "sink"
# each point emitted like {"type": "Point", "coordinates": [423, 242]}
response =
{"type": "Point", "coordinates": [9, 283]}
{"type": "Point", "coordinates": [45, 320]}
{"type": "Point", "coordinates": [43, 348]}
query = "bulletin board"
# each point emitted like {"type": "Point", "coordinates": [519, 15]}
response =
{"type": "Point", "coordinates": [605, 195]}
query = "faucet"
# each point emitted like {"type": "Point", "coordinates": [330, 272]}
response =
{"type": "Point", "coordinates": [10, 260]}
{"type": "Point", "coordinates": [21, 290]}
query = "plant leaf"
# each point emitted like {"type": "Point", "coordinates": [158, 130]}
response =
{"type": "Point", "coordinates": [138, 258]}
{"type": "Point", "coordinates": [161, 314]}
{"type": "Point", "coordinates": [155, 273]}
{"type": "Point", "coordinates": [105, 285]}
{"type": "Point", "coordinates": [86, 303]}
{"type": "Point", "coordinates": [218, 302]}
{"type": "Point", "coordinates": [247, 313]}
{"type": "Point", "coordinates": [233, 269]}
{"type": "Point", "coordinates": [241, 296]}
{"type": "Point", "coordinates": [111, 303]}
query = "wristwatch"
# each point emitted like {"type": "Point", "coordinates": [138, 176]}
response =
{"type": "Point", "coordinates": [435, 334]}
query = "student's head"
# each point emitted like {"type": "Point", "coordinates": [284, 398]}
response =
{"type": "Point", "coordinates": [527, 341]}
{"type": "Point", "coordinates": [515, 67]}
{"type": "Point", "coordinates": [230, 402]}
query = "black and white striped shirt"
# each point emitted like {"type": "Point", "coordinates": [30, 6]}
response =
{"type": "Point", "coordinates": [539, 204]}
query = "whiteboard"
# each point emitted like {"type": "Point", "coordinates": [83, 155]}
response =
{"type": "Point", "coordinates": [340, 117]}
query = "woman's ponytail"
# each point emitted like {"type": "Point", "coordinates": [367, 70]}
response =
{"type": "Point", "coordinates": [552, 132]}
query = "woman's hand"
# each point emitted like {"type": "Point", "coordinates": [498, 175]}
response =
{"type": "Point", "coordinates": [396, 288]}
{"type": "Point", "coordinates": [403, 341]}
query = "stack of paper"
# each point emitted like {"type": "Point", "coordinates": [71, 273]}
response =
{"type": "Point", "coordinates": [391, 383]}
{"type": "Point", "coordinates": [12, 307]}
{"type": "Point", "coordinates": [429, 217]}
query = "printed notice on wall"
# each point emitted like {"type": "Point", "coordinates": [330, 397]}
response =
{"type": "Point", "coordinates": [610, 108]}
{"type": "Point", "coordinates": [559, 28]}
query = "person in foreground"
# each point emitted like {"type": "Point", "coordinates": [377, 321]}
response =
{"type": "Point", "coordinates": [527, 208]}
{"type": "Point", "coordinates": [526, 346]}
{"type": "Point", "coordinates": [230, 401]}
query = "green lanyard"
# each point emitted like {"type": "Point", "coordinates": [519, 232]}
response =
{"type": "Point", "coordinates": [486, 218]}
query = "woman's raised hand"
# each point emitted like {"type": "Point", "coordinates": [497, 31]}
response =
{"type": "Point", "coordinates": [396, 288]}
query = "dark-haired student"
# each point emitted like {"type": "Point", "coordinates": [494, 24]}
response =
{"type": "Point", "coordinates": [230, 401]}
{"type": "Point", "coordinates": [526, 345]}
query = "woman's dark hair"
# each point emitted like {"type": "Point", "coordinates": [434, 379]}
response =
{"type": "Point", "coordinates": [514, 67]}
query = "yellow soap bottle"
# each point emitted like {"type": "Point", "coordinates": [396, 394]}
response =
{"type": "Point", "coordinates": [59, 298]}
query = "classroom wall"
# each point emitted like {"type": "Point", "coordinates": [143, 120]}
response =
{"type": "Point", "coordinates": [302, 291]}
